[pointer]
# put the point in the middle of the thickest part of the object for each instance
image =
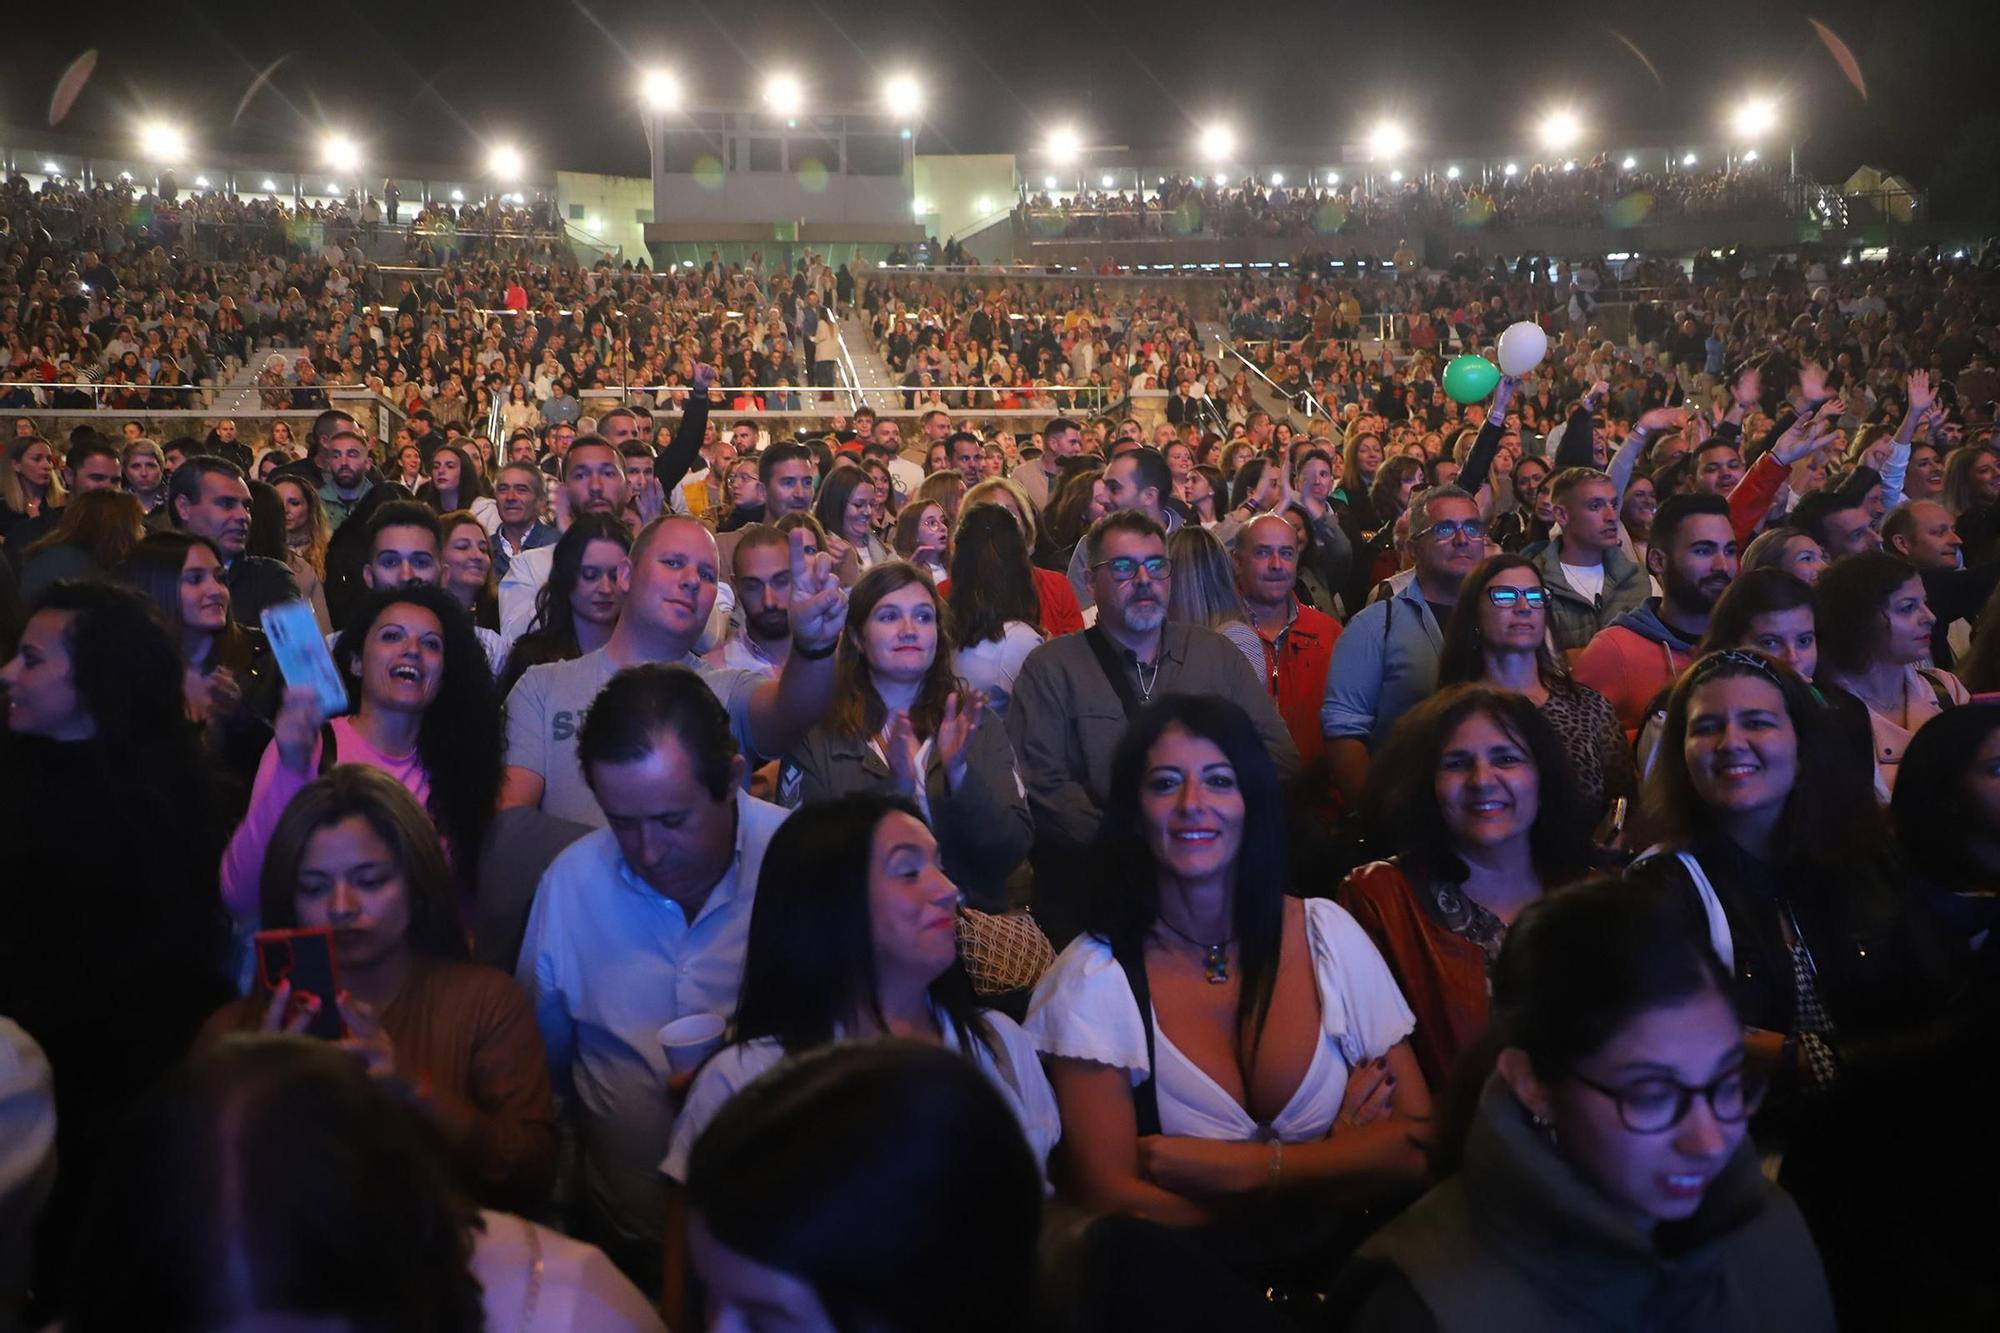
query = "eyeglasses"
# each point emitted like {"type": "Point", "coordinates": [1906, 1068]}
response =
{"type": "Point", "coordinates": [1125, 568]}
{"type": "Point", "coordinates": [1471, 529]}
{"type": "Point", "coordinates": [1507, 598]}
{"type": "Point", "coordinates": [1656, 1105]}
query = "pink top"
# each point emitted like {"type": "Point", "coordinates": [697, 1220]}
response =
{"type": "Point", "coordinates": [276, 785]}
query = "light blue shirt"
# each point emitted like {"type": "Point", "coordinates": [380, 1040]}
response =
{"type": "Point", "coordinates": [607, 961]}
{"type": "Point", "coordinates": [1384, 664]}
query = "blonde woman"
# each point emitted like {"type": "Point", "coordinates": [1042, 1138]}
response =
{"type": "Point", "coordinates": [306, 535]}
{"type": "Point", "coordinates": [1203, 592]}
{"type": "Point", "coordinates": [30, 484]}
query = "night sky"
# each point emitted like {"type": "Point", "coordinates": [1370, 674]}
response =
{"type": "Point", "coordinates": [419, 84]}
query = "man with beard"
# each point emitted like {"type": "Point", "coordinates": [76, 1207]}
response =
{"type": "Point", "coordinates": [594, 482]}
{"type": "Point", "coordinates": [1693, 555]}
{"type": "Point", "coordinates": [762, 578]}
{"type": "Point", "coordinates": [1591, 582]}
{"type": "Point", "coordinates": [1075, 691]}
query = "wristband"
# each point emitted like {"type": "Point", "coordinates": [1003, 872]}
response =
{"type": "Point", "coordinates": [814, 655]}
{"type": "Point", "coordinates": [1277, 1161]}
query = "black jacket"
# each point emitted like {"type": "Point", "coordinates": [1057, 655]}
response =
{"type": "Point", "coordinates": [256, 582]}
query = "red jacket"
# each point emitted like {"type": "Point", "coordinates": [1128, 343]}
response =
{"type": "Point", "coordinates": [1060, 613]}
{"type": "Point", "coordinates": [1295, 675]}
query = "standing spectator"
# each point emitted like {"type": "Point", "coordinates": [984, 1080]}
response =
{"type": "Point", "coordinates": [1589, 580]}
{"type": "Point", "coordinates": [1137, 480]}
{"type": "Point", "coordinates": [578, 607]}
{"type": "Point", "coordinates": [1295, 640]}
{"type": "Point", "coordinates": [211, 499]}
{"type": "Point", "coordinates": [994, 612]}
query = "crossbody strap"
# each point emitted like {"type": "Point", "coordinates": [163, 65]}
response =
{"type": "Point", "coordinates": [1114, 670]}
{"type": "Point", "coordinates": [1145, 1095]}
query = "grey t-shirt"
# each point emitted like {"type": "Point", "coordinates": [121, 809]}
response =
{"type": "Point", "coordinates": [546, 709]}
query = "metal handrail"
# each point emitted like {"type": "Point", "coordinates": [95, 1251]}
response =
{"type": "Point", "coordinates": [1313, 405]}
{"type": "Point", "coordinates": [844, 364]}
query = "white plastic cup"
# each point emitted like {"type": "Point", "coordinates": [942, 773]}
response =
{"type": "Point", "coordinates": [690, 1040]}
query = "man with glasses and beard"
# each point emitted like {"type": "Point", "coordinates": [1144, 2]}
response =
{"type": "Point", "coordinates": [1693, 555]}
{"type": "Point", "coordinates": [1075, 692]}
{"type": "Point", "coordinates": [1387, 657]}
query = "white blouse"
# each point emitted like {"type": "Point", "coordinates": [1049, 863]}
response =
{"type": "Point", "coordinates": [1018, 1078]}
{"type": "Point", "coordinates": [1084, 1010]}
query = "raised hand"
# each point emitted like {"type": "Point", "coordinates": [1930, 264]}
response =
{"type": "Point", "coordinates": [295, 730]}
{"type": "Point", "coordinates": [899, 747]}
{"type": "Point", "coordinates": [819, 603]}
{"type": "Point", "coordinates": [704, 375]}
{"type": "Point", "coordinates": [1921, 392]}
{"type": "Point", "coordinates": [366, 1040]}
{"type": "Point", "coordinates": [1812, 382]}
{"type": "Point", "coordinates": [1661, 419]}
{"type": "Point", "coordinates": [954, 733]}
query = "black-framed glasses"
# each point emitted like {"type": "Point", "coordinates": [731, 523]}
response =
{"type": "Point", "coordinates": [1508, 598]}
{"type": "Point", "coordinates": [1656, 1105]}
{"type": "Point", "coordinates": [1472, 529]}
{"type": "Point", "coordinates": [1125, 568]}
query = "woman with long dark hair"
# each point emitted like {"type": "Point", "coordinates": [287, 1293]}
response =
{"type": "Point", "coordinates": [900, 723]}
{"type": "Point", "coordinates": [1946, 814]}
{"type": "Point", "coordinates": [995, 611]}
{"type": "Point", "coordinates": [93, 533]}
{"type": "Point", "coordinates": [845, 508]}
{"type": "Point", "coordinates": [467, 567]}
{"type": "Point", "coordinates": [1474, 799]}
{"type": "Point", "coordinates": [1220, 1049]}
{"type": "Point", "coordinates": [1498, 635]}
{"type": "Point", "coordinates": [576, 610]}
{"type": "Point", "coordinates": [422, 709]}
{"type": "Point", "coordinates": [355, 854]}
{"type": "Point", "coordinates": [1608, 1179]}
{"type": "Point", "coordinates": [455, 481]}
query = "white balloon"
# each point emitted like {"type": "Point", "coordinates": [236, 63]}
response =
{"type": "Point", "coordinates": [1521, 348]}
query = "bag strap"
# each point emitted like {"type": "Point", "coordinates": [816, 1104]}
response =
{"type": "Point", "coordinates": [1711, 905]}
{"type": "Point", "coordinates": [1146, 1095]}
{"type": "Point", "coordinates": [1114, 670]}
{"type": "Point", "coordinates": [1944, 699]}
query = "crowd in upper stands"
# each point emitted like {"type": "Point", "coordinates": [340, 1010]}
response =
{"type": "Point", "coordinates": [1334, 859]}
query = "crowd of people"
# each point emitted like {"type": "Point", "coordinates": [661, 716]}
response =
{"type": "Point", "coordinates": [1594, 192]}
{"type": "Point", "coordinates": [1528, 864]}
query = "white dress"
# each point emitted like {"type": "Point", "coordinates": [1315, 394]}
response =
{"type": "Point", "coordinates": [990, 667]}
{"type": "Point", "coordinates": [535, 1280]}
{"type": "Point", "coordinates": [1084, 1010]}
{"type": "Point", "coordinates": [1018, 1078]}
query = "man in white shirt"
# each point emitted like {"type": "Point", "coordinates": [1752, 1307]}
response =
{"type": "Point", "coordinates": [637, 924]}
{"type": "Point", "coordinates": [1589, 578]}
{"type": "Point", "coordinates": [670, 582]}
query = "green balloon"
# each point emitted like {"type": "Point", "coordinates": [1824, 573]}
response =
{"type": "Point", "coordinates": [1468, 379]}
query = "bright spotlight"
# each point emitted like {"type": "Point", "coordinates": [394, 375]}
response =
{"type": "Point", "coordinates": [1750, 155]}
{"type": "Point", "coordinates": [52, 168]}
{"type": "Point", "coordinates": [332, 188]}
{"type": "Point", "coordinates": [1277, 178]}
{"type": "Point", "coordinates": [1396, 178]}
{"type": "Point", "coordinates": [1048, 182]}
{"type": "Point", "coordinates": [506, 162]}
{"type": "Point", "coordinates": [1063, 146]}
{"type": "Point", "coordinates": [340, 152]}
{"type": "Point", "coordinates": [660, 90]}
{"type": "Point", "coordinates": [1218, 143]}
{"type": "Point", "coordinates": [1108, 181]}
{"type": "Point", "coordinates": [785, 94]}
{"type": "Point", "coordinates": [919, 207]}
{"type": "Point", "coordinates": [1333, 178]}
{"type": "Point", "coordinates": [201, 182]}
{"type": "Point", "coordinates": [268, 185]}
{"type": "Point", "coordinates": [161, 142]}
{"type": "Point", "coordinates": [1689, 160]}
{"type": "Point", "coordinates": [1560, 128]}
{"type": "Point", "coordinates": [1511, 170]}
{"type": "Point", "coordinates": [1387, 139]}
{"type": "Point", "coordinates": [1629, 163]}
{"type": "Point", "coordinates": [458, 196]}
{"type": "Point", "coordinates": [904, 96]}
{"type": "Point", "coordinates": [125, 176]}
{"type": "Point", "coordinates": [1451, 173]}
{"type": "Point", "coordinates": [1570, 165]}
{"type": "Point", "coordinates": [983, 205]}
{"type": "Point", "coordinates": [1755, 117]}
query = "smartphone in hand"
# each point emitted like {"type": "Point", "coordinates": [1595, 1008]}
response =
{"type": "Point", "coordinates": [303, 657]}
{"type": "Point", "coordinates": [305, 958]}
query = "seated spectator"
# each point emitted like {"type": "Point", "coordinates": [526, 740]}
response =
{"type": "Point", "coordinates": [1476, 803]}
{"type": "Point", "coordinates": [1137, 480]}
{"type": "Point", "coordinates": [1218, 1049]}
{"type": "Point", "coordinates": [1788, 549]}
{"type": "Point", "coordinates": [923, 537]}
{"type": "Point", "coordinates": [355, 854]}
{"type": "Point", "coordinates": [639, 923]}
{"type": "Point", "coordinates": [1078, 503]}
{"type": "Point", "coordinates": [1693, 556]}
{"type": "Point", "coordinates": [1589, 580]}
{"type": "Point", "coordinates": [1387, 659]}
{"type": "Point", "coordinates": [1055, 598]}
{"type": "Point", "coordinates": [91, 535]}
{"type": "Point", "coordinates": [517, 504]}
{"type": "Point", "coordinates": [1947, 825]}
{"type": "Point", "coordinates": [1295, 641]}
{"type": "Point", "coordinates": [1076, 692]}
{"type": "Point", "coordinates": [455, 481]}
{"type": "Point", "coordinates": [369, 1229]}
{"type": "Point", "coordinates": [29, 486]}
{"type": "Point", "coordinates": [1498, 635]}
{"type": "Point", "coordinates": [210, 498]}
{"type": "Point", "coordinates": [995, 611]}
{"type": "Point", "coordinates": [900, 724]}
{"type": "Point", "coordinates": [466, 571]}
{"type": "Point", "coordinates": [670, 593]}
{"type": "Point", "coordinates": [878, 1185]}
{"type": "Point", "coordinates": [853, 937]}
{"type": "Point", "coordinates": [1874, 629]}
{"type": "Point", "coordinates": [406, 550]}
{"type": "Point", "coordinates": [145, 472]}
{"type": "Point", "coordinates": [593, 483]}
{"type": "Point", "coordinates": [103, 793]}
{"type": "Point", "coordinates": [846, 510]}
{"type": "Point", "coordinates": [422, 709]}
{"type": "Point", "coordinates": [1922, 532]}
{"type": "Point", "coordinates": [1611, 1141]}
{"type": "Point", "coordinates": [578, 606]}
{"type": "Point", "coordinates": [306, 540]}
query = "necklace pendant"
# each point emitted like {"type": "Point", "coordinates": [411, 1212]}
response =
{"type": "Point", "coordinates": [1215, 965]}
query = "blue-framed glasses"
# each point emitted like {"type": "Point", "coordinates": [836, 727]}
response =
{"type": "Point", "coordinates": [1125, 568]}
{"type": "Point", "coordinates": [1508, 598]}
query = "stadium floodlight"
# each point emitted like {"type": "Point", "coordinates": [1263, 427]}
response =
{"type": "Point", "coordinates": [1064, 145]}
{"type": "Point", "coordinates": [268, 185]}
{"type": "Point", "coordinates": [904, 96]}
{"type": "Point", "coordinates": [332, 188]}
{"type": "Point", "coordinates": [458, 196]}
{"type": "Point", "coordinates": [1750, 155]}
{"type": "Point", "coordinates": [1560, 128]}
{"type": "Point", "coordinates": [1757, 116]}
{"type": "Point", "coordinates": [1218, 143]}
{"type": "Point", "coordinates": [1277, 178]}
{"type": "Point", "coordinates": [1570, 165]}
{"type": "Point", "coordinates": [1689, 160]}
{"type": "Point", "coordinates": [1048, 182]}
{"type": "Point", "coordinates": [1396, 177]}
{"type": "Point", "coordinates": [340, 152]}
{"type": "Point", "coordinates": [162, 143]}
{"type": "Point", "coordinates": [1629, 163]}
{"type": "Point", "coordinates": [1107, 180]}
{"type": "Point", "coordinates": [1451, 173]}
{"type": "Point", "coordinates": [506, 162]}
{"type": "Point", "coordinates": [659, 90]}
{"type": "Point", "coordinates": [1333, 178]}
{"type": "Point", "coordinates": [201, 182]}
{"type": "Point", "coordinates": [1387, 139]}
{"type": "Point", "coordinates": [983, 205]}
{"type": "Point", "coordinates": [784, 94]}
{"type": "Point", "coordinates": [1511, 169]}
{"type": "Point", "coordinates": [52, 168]}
